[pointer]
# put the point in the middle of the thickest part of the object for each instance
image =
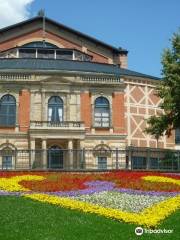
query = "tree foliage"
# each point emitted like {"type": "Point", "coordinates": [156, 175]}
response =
{"type": "Point", "coordinates": [169, 91]}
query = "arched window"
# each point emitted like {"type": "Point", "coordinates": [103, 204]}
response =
{"type": "Point", "coordinates": [39, 44]}
{"type": "Point", "coordinates": [40, 49]}
{"type": "Point", "coordinates": [7, 110]}
{"type": "Point", "coordinates": [101, 112]}
{"type": "Point", "coordinates": [55, 109]}
{"type": "Point", "coordinates": [102, 152]}
{"type": "Point", "coordinates": [7, 158]}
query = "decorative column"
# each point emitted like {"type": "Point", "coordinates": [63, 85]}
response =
{"type": "Point", "coordinates": [81, 158]}
{"type": "Point", "coordinates": [17, 117]}
{"type": "Point", "coordinates": [129, 159]}
{"type": "Point", "coordinates": [43, 102]}
{"type": "Point", "coordinates": [70, 150]}
{"type": "Point", "coordinates": [32, 153]}
{"type": "Point", "coordinates": [68, 108]}
{"type": "Point", "coordinates": [44, 153]}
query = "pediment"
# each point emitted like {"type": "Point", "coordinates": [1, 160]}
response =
{"type": "Point", "coordinates": [32, 31]}
{"type": "Point", "coordinates": [51, 26]}
{"type": "Point", "coordinates": [55, 33]}
{"type": "Point", "coordinates": [55, 79]}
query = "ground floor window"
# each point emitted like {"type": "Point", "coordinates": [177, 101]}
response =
{"type": "Point", "coordinates": [6, 162]}
{"type": "Point", "coordinates": [154, 163]}
{"type": "Point", "coordinates": [102, 162]}
{"type": "Point", "coordinates": [139, 162]}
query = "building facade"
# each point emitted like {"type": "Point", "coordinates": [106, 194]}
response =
{"type": "Point", "coordinates": [62, 91]}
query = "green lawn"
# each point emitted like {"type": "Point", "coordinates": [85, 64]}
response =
{"type": "Point", "coordinates": [25, 219]}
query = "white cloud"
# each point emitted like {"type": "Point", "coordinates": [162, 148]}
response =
{"type": "Point", "coordinates": [13, 11]}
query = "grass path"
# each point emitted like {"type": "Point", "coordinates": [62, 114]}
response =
{"type": "Point", "coordinates": [25, 219]}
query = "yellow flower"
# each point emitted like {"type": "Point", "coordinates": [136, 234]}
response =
{"type": "Point", "coordinates": [149, 217]}
{"type": "Point", "coordinates": [161, 179]}
{"type": "Point", "coordinates": [12, 184]}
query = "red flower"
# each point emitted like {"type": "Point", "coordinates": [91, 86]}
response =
{"type": "Point", "coordinates": [57, 181]}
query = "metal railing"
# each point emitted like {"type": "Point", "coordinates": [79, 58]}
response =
{"type": "Point", "coordinates": [63, 124]}
{"type": "Point", "coordinates": [153, 159]}
{"type": "Point", "coordinates": [63, 159]}
{"type": "Point", "coordinates": [130, 158]}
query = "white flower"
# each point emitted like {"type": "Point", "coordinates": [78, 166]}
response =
{"type": "Point", "coordinates": [122, 201]}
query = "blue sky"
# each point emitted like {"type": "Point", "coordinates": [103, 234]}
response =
{"type": "Point", "coordinates": [143, 27]}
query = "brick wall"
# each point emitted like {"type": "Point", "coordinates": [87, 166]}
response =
{"type": "Point", "coordinates": [118, 112]}
{"type": "Point", "coordinates": [86, 110]}
{"type": "Point", "coordinates": [24, 110]}
{"type": "Point", "coordinates": [121, 59]}
{"type": "Point", "coordinates": [32, 36]}
{"type": "Point", "coordinates": [97, 57]}
{"type": "Point", "coordinates": [51, 37]}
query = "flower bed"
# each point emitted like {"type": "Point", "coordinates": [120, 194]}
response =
{"type": "Point", "coordinates": [122, 201]}
{"type": "Point", "coordinates": [144, 198]}
{"type": "Point", "coordinates": [150, 217]}
{"type": "Point", "coordinates": [122, 179]}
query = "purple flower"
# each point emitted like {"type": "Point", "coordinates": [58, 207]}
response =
{"type": "Point", "coordinates": [101, 186]}
{"type": "Point", "coordinates": [6, 193]}
{"type": "Point", "coordinates": [173, 174]}
{"type": "Point", "coordinates": [93, 187]}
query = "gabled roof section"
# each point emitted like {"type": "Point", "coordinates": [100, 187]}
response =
{"type": "Point", "coordinates": [39, 65]}
{"type": "Point", "coordinates": [64, 27]}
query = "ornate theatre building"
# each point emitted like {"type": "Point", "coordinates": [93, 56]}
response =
{"type": "Point", "coordinates": [62, 91]}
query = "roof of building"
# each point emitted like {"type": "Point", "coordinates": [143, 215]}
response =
{"type": "Point", "coordinates": [64, 27]}
{"type": "Point", "coordinates": [18, 64]}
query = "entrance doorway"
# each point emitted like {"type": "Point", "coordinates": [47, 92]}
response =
{"type": "Point", "coordinates": [55, 157]}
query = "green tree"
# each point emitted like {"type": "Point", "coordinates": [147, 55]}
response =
{"type": "Point", "coordinates": [169, 91]}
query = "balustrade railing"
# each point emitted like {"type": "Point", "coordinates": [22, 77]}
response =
{"type": "Point", "coordinates": [63, 124]}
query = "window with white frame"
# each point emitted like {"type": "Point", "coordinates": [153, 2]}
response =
{"type": "Point", "coordinates": [55, 109]}
{"type": "Point", "coordinates": [8, 111]}
{"type": "Point", "coordinates": [7, 158]}
{"type": "Point", "coordinates": [102, 162]}
{"type": "Point", "coordinates": [7, 162]}
{"type": "Point", "coordinates": [101, 112]}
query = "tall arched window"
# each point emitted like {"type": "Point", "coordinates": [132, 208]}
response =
{"type": "Point", "coordinates": [55, 109]}
{"type": "Point", "coordinates": [101, 112]}
{"type": "Point", "coordinates": [7, 158]}
{"type": "Point", "coordinates": [7, 110]}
